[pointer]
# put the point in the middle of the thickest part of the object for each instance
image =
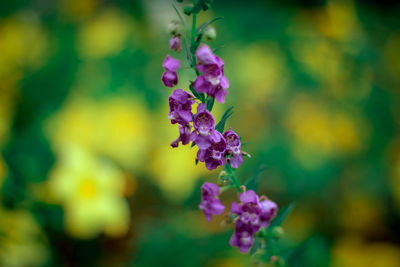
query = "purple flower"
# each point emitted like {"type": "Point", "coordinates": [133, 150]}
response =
{"type": "Point", "coordinates": [175, 43]}
{"type": "Point", "coordinates": [180, 107]}
{"type": "Point", "coordinates": [212, 81]}
{"type": "Point", "coordinates": [233, 147]}
{"type": "Point", "coordinates": [268, 212]}
{"type": "Point", "coordinates": [252, 215]}
{"type": "Point", "coordinates": [210, 204]}
{"type": "Point", "coordinates": [214, 155]}
{"type": "Point", "coordinates": [204, 133]}
{"type": "Point", "coordinates": [170, 77]}
{"type": "Point", "coordinates": [184, 135]}
{"type": "Point", "coordinates": [243, 237]}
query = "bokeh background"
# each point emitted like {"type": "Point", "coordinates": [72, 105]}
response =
{"type": "Point", "coordinates": [86, 171]}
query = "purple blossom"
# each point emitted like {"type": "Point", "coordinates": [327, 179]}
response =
{"type": "Point", "coordinates": [175, 43]}
{"type": "Point", "coordinates": [233, 147]}
{"type": "Point", "coordinates": [243, 237]}
{"type": "Point", "coordinates": [180, 107]}
{"type": "Point", "coordinates": [170, 77]}
{"type": "Point", "coordinates": [252, 215]}
{"type": "Point", "coordinates": [204, 133]}
{"type": "Point", "coordinates": [184, 135]}
{"type": "Point", "coordinates": [214, 155]}
{"type": "Point", "coordinates": [212, 81]}
{"type": "Point", "coordinates": [210, 204]}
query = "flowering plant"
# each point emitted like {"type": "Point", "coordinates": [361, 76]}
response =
{"type": "Point", "coordinates": [255, 218]}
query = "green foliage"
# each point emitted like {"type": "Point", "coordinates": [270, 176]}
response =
{"type": "Point", "coordinates": [181, 18]}
{"type": "Point", "coordinates": [198, 95]}
{"type": "Point", "coordinates": [221, 124]}
{"type": "Point", "coordinates": [210, 103]}
{"type": "Point", "coordinates": [205, 24]}
{"type": "Point", "coordinates": [253, 181]}
{"type": "Point", "coordinates": [282, 215]}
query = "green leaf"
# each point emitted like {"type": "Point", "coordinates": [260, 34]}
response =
{"type": "Point", "coordinates": [253, 181]}
{"type": "Point", "coordinates": [217, 48]}
{"type": "Point", "coordinates": [197, 43]}
{"type": "Point", "coordinates": [221, 124]}
{"type": "Point", "coordinates": [210, 103]}
{"type": "Point", "coordinates": [283, 213]}
{"type": "Point", "coordinates": [188, 53]}
{"type": "Point", "coordinates": [181, 18]}
{"type": "Point", "coordinates": [231, 172]}
{"type": "Point", "coordinates": [205, 24]}
{"type": "Point", "coordinates": [198, 95]}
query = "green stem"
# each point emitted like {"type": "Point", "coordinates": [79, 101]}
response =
{"type": "Point", "coordinates": [226, 188]}
{"type": "Point", "coordinates": [193, 34]}
{"type": "Point", "coordinates": [233, 176]}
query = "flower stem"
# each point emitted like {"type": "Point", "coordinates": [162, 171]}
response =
{"type": "Point", "coordinates": [233, 176]}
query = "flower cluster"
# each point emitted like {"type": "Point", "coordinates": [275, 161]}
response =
{"type": "Point", "coordinates": [252, 215]}
{"type": "Point", "coordinates": [215, 147]}
{"type": "Point", "coordinates": [212, 81]}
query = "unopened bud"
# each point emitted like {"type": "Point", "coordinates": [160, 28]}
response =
{"type": "Point", "coordinates": [210, 33]}
{"type": "Point", "coordinates": [175, 44]}
{"type": "Point", "coordinates": [173, 27]}
{"type": "Point", "coordinates": [223, 175]}
{"type": "Point", "coordinates": [243, 188]}
{"type": "Point", "coordinates": [278, 232]}
{"type": "Point", "coordinates": [188, 10]}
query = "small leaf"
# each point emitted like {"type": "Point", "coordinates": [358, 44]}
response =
{"type": "Point", "coordinates": [188, 53]}
{"type": "Point", "coordinates": [221, 124]}
{"type": "Point", "coordinates": [217, 48]}
{"type": "Point", "coordinates": [198, 95]}
{"type": "Point", "coordinates": [205, 24]}
{"type": "Point", "coordinates": [181, 17]}
{"type": "Point", "coordinates": [256, 246]}
{"type": "Point", "coordinates": [283, 213]}
{"type": "Point", "coordinates": [210, 103]}
{"type": "Point", "coordinates": [197, 43]}
{"type": "Point", "coordinates": [234, 180]}
{"type": "Point", "coordinates": [253, 181]}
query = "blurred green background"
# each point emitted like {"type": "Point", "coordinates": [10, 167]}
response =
{"type": "Point", "coordinates": [86, 171]}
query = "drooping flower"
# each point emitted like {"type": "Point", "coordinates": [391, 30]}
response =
{"type": "Point", "coordinates": [175, 43]}
{"type": "Point", "coordinates": [214, 155]}
{"type": "Point", "coordinates": [180, 107]}
{"type": "Point", "coordinates": [184, 135]}
{"type": "Point", "coordinates": [170, 77]}
{"type": "Point", "coordinates": [212, 81]}
{"type": "Point", "coordinates": [210, 204]}
{"type": "Point", "coordinates": [252, 215]}
{"type": "Point", "coordinates": [233, 147]}
{"type": "Point", "coordinates": [204, 134]}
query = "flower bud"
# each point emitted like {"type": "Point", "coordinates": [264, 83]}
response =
{"type": "Point", "coordinates": [210, 33]}
{"type": "Point", "coordinates": [278, 232]}
{"type": "Point", "coordinates": [173, 27]}
{"type": "Point", "coordinates": [175, 44]}
{"type": "Point", "coordinates": [188, 10]}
